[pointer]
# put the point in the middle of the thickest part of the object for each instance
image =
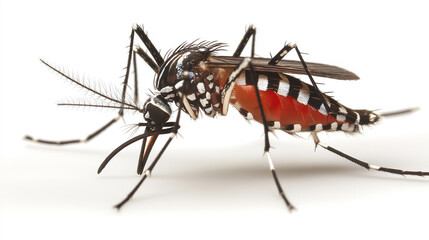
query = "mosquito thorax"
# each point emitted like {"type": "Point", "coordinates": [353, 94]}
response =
{"type": "Point", "coordinates": [156, 110]}
{"type": "Point", "coordinates": [182, 65]}
{"type": "Point", "coordinates": [185, 73]}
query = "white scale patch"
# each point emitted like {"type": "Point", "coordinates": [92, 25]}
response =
{"type": "Point", "coordinates": [166, 89]}
{"type": "Point", "coordinates": [341, 118]}
{"type": "Point", "coordinates": [277, 125]}
{"type": "Point", "coordinates": [357, 119]}
{"type": "Point", "coordinates": [284, 53]}
{"type": "Point", "coordinates": [372, 117]}
{"type": "Point", "coordinates": [303, 96]}
{"type": "Point", "coordinates": [263, 82]}
{"type": "Point", "coordinates": [201, 88]}
{"type": "Point", "coordinates": [178, 85]}
{"type": "Point", "coordinates": [375, 167]}
{"type": "Point", "coordinates": [240, 68]}
{"type": "Point", "coordinates": [191, 97]}
{"type": "Point", "coordinates": [283, 88]}
{"type": "Point", "coordinates": [318, 127]}
{"type": "Point", "coordinates": [296, 128]}
{"type": "Point", "coordinates": [217, 89]}
{"type": "Point", "coordinates": [208, 110]}
{"type": "Point", "coordinates": [322, 108]}
{"type": "Point", "coordinates": [204, 102]}
{"type": "Point", "coordinates": [241, 80]}
{"type": "Point", "coordinates": [334, 126]}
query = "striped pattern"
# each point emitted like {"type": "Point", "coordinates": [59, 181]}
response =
{"type": "Point", "coordinates": [348, 120]}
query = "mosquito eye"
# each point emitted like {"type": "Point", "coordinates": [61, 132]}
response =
{"type": "Point", "coordinates": [155, 110]}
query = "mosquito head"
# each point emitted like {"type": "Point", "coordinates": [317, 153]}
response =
{"type": "Point", "coordinates": [156, 110]}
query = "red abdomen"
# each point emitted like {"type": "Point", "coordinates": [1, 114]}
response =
{"type": "Point", "coordinates": [293, 106]}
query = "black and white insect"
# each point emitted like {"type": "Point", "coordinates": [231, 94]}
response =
{"type": "Point", "coordinates": [198, 81]}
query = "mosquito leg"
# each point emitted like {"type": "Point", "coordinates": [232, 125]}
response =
{"type": "Point", "coordinates": [279, 186]}
{"type": "Point", "coordinates": [279, 56]}
{"type": "Point", "coordinates": [149, 45]}
{"type": "Point", "coordinates": [287, 48]}
{"type": "Point", "coordinates": [230, 84]}
{"type": "Point", "coordinates": [127, 72]}
{"type": "Point", "coordinates": [89, 89]}
{"type": "Point", "coordinates": [147, 59]}
{"type": "Point", "coordinates": [104, 127]}
{"type": "Point", "coordinates": [267, 141]}
{"type": "Point", "coordinates": [251, 31]}
{"type": "Point", "coordinates": [226, 94]}
{"type": "Point", "coordinates": [136, 87]}
{"type": "Point", "coordinates": [63, 142]}
{"type": "Point", "coordinates": [148, 172]}
{"type": "Point", "coordinates": [131, 58]}
{"type": "Point", "coordinates": [365, 164]}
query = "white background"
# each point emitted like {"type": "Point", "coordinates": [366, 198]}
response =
{"type": "Point", "coordinates": [213, 182]}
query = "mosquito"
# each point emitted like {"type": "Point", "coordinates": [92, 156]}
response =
{"type": "Point", "coordinates": [198, 81]}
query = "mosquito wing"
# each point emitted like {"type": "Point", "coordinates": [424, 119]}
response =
{"type": "Point", "coordinates": [285, 66]}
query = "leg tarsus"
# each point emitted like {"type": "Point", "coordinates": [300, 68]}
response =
{"type": "Point", "coordinates": [276, 180]}
{"type": "Point", "coordinates": [373, 167]}
{"type": "Point", "coordinates": [316, 140]}
{"type": "Point", "coordinates": [86, 139]}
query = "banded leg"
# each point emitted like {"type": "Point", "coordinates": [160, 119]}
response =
{"type": "Point", "coordinates": [251, 31]}
{"type": "Point", "coordinates": [132, 58]}
{"type": "Point", "coordinates": [279, 56]}
{"type": "Point", "coordinates": [148, 172]}
{"type": "Point", "coordinates": [97, 132]}
{"type": "Point", "coordinates": [63, 142]}
{"type": "Point", "coordinates": [226, 95]}
{"type": "Point", "coordinates": [365, 164]}
{"type": "Point", "coordinates": [267, 141]}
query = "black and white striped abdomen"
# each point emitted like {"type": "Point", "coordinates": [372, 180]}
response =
{"type": "Point", "coordinates": [294, 106]}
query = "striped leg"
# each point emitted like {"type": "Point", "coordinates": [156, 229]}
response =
{"type": "Point", "coordinates": [90, 136]}
{"type": "Point", "coordinates": [86, 139]}
{"type": "Point", "coordinates": [251, 31]}
{"type": "Point", "coordinates": [155, 65]}
{"type": "Point", "coordinates": [267, 141]}
{"type": "Point", "coordinates": [287, 48]}
{"type": "Point", "coordinates": [279, 56]}
{"type": "Point", "coordinates": [131, 57]}
{"type": "Point", "coordinates": [365, 164]}
{"type": "Point", "coordinates": [148, 172]}
{"type": "Point", "coordinates": [226, 94]}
